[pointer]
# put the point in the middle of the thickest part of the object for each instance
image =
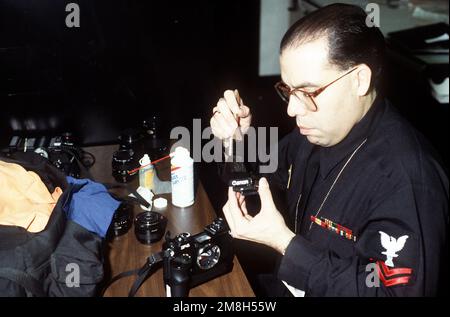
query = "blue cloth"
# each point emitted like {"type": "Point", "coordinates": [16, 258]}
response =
{"type": "Point", "coordinates": [91, 206]}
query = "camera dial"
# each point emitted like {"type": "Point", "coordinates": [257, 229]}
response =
{"type": "Point", "coordinates": [208, 256]}
{"type": "Point", "coordinates": [183, 261]}
{"type": "Point", "coordinates": [183, 237]}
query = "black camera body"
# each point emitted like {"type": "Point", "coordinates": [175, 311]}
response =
{"type": "Point", "coordinates": [60, 150]}
{"type": "Point", "coordinates": [63, 154]}
{"type": "Point", "coordinates": [194, 260]}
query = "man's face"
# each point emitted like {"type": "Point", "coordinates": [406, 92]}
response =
{"type": "Point", "coordinates": [337, 112]}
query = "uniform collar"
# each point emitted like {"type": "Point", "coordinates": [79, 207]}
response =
{"type": "Point", "coordinates": [331, 156]}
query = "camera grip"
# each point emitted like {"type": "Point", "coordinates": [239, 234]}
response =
{"type": "Point", "coordinates": [177, 275]}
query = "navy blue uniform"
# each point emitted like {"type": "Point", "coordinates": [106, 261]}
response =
{"type": "Point", "coordinates": [382, 228]}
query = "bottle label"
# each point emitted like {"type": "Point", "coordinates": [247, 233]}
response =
{"type": "Point", "coordinates": [182, 179]}
{"type": "Point", "coordinates": [148, 182]}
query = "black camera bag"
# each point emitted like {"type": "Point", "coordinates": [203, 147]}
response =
{"type": "Point", "coordinates": [38, 264]}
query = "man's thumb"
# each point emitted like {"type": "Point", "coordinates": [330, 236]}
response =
{"type": "Point", "coordinates": [264, 193]}
{"type": "Point", "coordinates": [244, 111]}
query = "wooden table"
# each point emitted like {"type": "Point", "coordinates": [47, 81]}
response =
{"type": "Point", "coordinates": [126, 253]}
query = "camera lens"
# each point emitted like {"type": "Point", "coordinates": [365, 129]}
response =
{"type": "Point", "coordinates": [129, 138]}
{"type": "Point", "coordinates": [151, 126]}
{"type": "Point", "coordinates": [153, 141]}
{"type": "Point", "coordinates": [149, 227]}
{"type": "Point", "coordinates": [123, 160]}
{"type": "Point", "coordinates": [121, 221]}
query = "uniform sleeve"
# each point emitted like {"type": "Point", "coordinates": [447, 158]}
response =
{"type": "Point", "coordinates": [76, 264]}
{"type": "Point", "coordinates": [397, 251]}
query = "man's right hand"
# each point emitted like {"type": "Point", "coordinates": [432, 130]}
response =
{"type": "Point", "coordinates": [229, 114]}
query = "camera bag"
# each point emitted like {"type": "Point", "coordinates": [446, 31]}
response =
{"type": "Point", "coordinates": [62, 260]}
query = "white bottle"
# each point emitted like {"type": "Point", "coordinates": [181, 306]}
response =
{"type": "Point", "coordinates": [146, 172]}
{"type": "Point", "coordinates": [182, 178]}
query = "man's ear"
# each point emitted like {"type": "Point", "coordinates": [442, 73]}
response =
{"type": "Point", "coordinates": [363, 79]}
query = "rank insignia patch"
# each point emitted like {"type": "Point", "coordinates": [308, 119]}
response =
{"type": "Point", "coordinates": [393, 276]}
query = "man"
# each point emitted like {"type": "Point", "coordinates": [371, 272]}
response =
{"type": "Point", "coordinates": [368, 203]}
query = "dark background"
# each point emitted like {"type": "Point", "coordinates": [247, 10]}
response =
{"type": "Point", "coordinates": [127, 61]}
{"type": "Point", "coordinates": [132, 59]}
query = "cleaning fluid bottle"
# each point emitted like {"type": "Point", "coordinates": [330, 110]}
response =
{"type": "Point", "coordinates": [182, 178]}
{"type": "Point", "coordinates": [146, 172]}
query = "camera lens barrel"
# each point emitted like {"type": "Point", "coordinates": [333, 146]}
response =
{"type": "Point", "coordinates": [123, 161]}
{"type": "Point", "coordinates": [122, 220]}
{"type": "Point", "coordinates": [149, 227]}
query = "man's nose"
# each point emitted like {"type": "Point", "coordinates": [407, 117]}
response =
{"type": "Point", "coordinates": [296, 107]}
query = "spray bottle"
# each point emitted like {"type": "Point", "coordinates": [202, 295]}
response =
{"type": "Point", "coordinates": [146, 172]}
{"type": "Point", "coordinates": [182, 178]}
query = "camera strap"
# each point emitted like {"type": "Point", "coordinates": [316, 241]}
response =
{"type": "Point", "coordinates": [142, 273]}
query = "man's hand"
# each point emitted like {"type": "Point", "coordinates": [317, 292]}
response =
{"type": "Point", "coordinates": [267, 227]}
{"type": "Point", "coordinates": [229, 114]}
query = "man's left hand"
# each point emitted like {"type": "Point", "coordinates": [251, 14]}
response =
{"type": "Point", "coordinates": [267, 227]}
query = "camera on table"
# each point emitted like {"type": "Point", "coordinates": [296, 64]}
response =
{"type": "Point", "coordinates": [60, 150]}
{"type": "Point", "coordinates": [193, 260]}
{"type": "Point", "coordinates": [133, 144]}
{"type": "Point", "coordinates": [63, 154]}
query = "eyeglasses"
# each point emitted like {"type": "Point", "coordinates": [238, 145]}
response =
{"type": "Point", "coordinates": [307, 98]}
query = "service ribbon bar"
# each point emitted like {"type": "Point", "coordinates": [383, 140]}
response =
{"type": "Point", "coordinates": [334, 227]}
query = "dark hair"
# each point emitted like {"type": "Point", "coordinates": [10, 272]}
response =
{"type": "Point", "coordinates": [350, 40]}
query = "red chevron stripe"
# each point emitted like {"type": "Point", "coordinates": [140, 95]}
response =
{"type": "Point", "coordinates": [393, 281]}
{"type": "Point", "coordinates": [390, 272]}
